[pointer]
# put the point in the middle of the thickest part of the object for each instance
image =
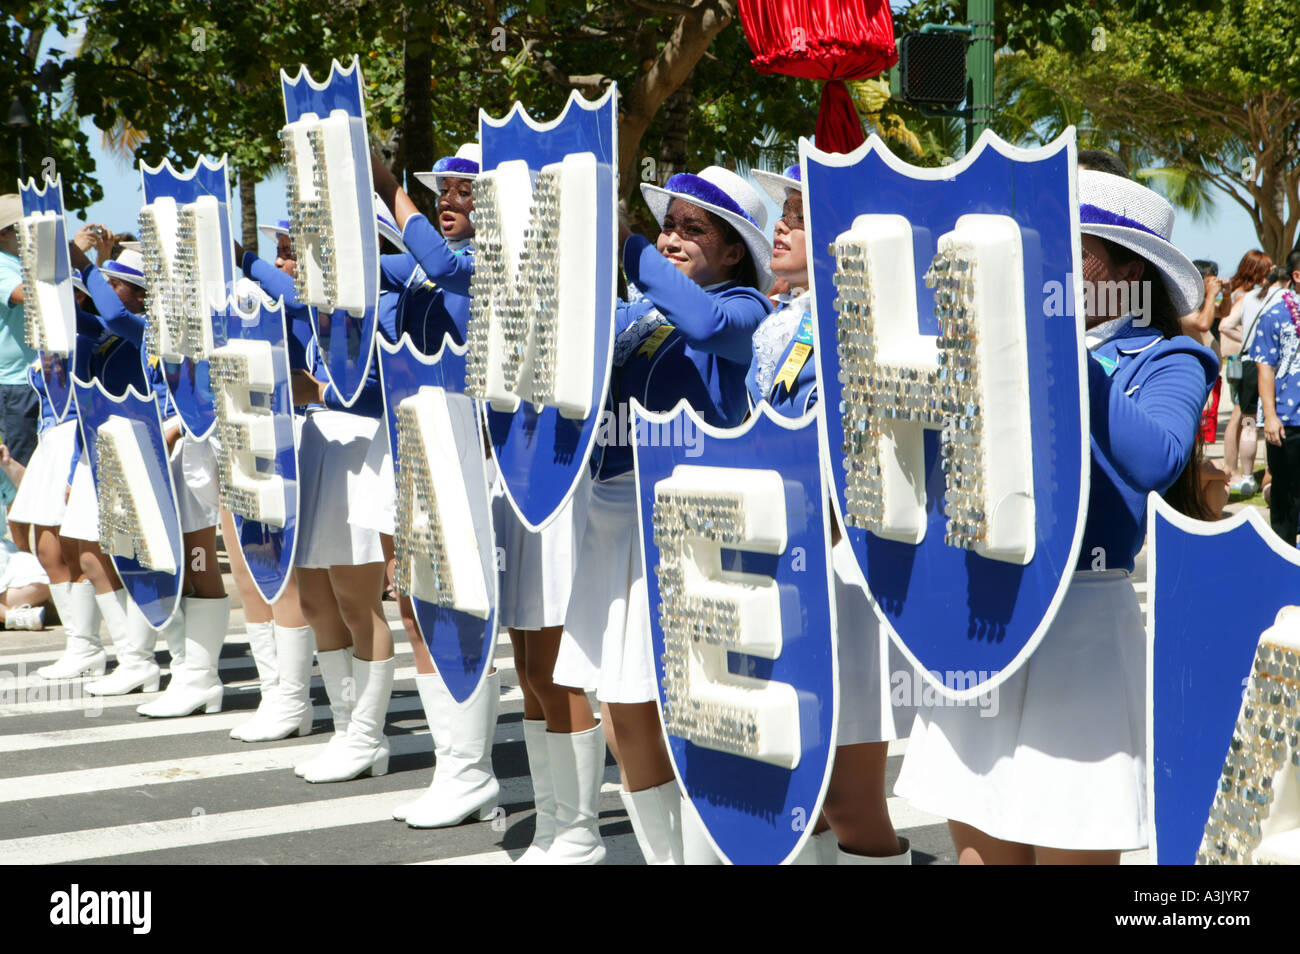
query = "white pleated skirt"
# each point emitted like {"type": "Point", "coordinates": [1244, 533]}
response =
{"type": "Point", "coordinates": [870, 665]}
{"type": "Point", "coordinates": [1060, 759]}
{"type": "Point", "coordinates": [81, 518]}
{"type": "Point", "coordinates": [194, 475]}
{"type": "Point", "coordinates": [41, 497]}
{"type": "Point", "coordinates": [331, 459]}
{"type": "Point", "coordinates": [537, 567]}
{"type": "Point", "coordinates": [375, 507]}
{"type": "Point", "coordinates": [606, 644]}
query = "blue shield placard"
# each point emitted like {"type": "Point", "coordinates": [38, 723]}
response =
{"type": "Point", "coordinates": [211, 252]}
{"type": "Point", "coordinates": [541, 451]}
{"type": "Point", "coordinates": [460, 643]}
{"type": "Point", "coordinates": [950, 367]}
{"type": "Point", "coordinates": [157, 592]}
{"type": "Point", "coordinates": [53, 293]}
{"type": "Point", "coordinates": [738, 585]}
{"type": "Point", "coordinates": [345, 335]}
{"type": "Point", "coordinates": [1219, 714]}
{"type": "Point", "coordinates": [256, 453]}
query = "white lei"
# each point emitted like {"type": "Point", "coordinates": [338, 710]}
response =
{"type": "Point", "coordinates": [774, 334]}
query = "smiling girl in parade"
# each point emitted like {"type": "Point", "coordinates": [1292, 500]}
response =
{"type": "Point", "coordinates": [696, 299]}
{"type": "Point", "coordinates": [1059, 774]}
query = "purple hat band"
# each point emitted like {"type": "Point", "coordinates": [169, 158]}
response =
{"type": "Point", "coordinates": [119, 268]}
{"type": "Point", "coordinates": [450, 165]}
{"type": "Point", "coordinates": [685, 183]}
{"type": "Point", "coordinates": [1096, 215]}
{"type": "Point", "coordinates": [793, 173]}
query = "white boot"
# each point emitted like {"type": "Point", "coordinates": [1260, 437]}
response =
{"type": "Point", "coordinates": [84, 652]}
{"type": "Point", "coordinates": [287, 711]}
{"type": "Point", "coordinates": [904, 857]}
{"type": "Point", "coordinates": [195, 684]}
{"type": "Point", "coordinates": [261, 643]}
{"type": "Point", "coordinates": [657, 821]}
{"type": "Point", "coordinates": [577, 770]}
{"type": "Point", "coordinates": [364, 749]}
{"type": "Point", "coordinates": [539, 767]}
{"type": "Point", "coordinates": [463, 783]}
{"type": "Point", "coordinates": [136, 666]}
{"type": "Point", "coordinates": [173, 635]}
{"type": "Point", "coordinates": [341, 689]}
{"type": "Point", "coordinates": [696, 847]}
{"type": "Point", "coordinates": [819, 849]}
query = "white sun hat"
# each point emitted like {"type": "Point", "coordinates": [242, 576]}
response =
{"type": "Point", "coordinates": [128, 266]}
{"type": "Point", "coordinates": [273, 232]}
{"type": "Point", "coordinates": [11, 210]}
{"type": "Point", "coordinates": [779, 185]}
{"type": "Point", "coordinates": [464, 165]}
{"type": "Point", "coordinates": [727, 196]}
{"type": "Point", "coordinates": [1129, 214]}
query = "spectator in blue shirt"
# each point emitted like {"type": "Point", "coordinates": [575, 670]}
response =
{"type": "Point", "coordinates": [1276, 353]}
{"type": "Point", "coordinates": [19, 407]}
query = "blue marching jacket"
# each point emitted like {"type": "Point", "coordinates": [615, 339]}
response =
{"type": "Point", "coordinates": [304, 355]}
{"type": "Point", "coordinates": [679, 341]}
{"type": "Point", "coordinates": [110, 348]}
{"type": "Point", "coordinates": [1145, 395]}
{"type": "Point", "coordinates": [435, 294]}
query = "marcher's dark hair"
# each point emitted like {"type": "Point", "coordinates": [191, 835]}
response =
{"type": "Point", "coordinates": [1206, 267]}
{"type": "Point", "coordinates": [1099, 160]}
{"type": "Point", "coordinates": [1187, 493]}
{"type": "Point", "coordinates": [744, 271]}
{"type": "Point", "coordinates": [1292, 264]}
{"type": "Point", "coordinates": [1164, 317]}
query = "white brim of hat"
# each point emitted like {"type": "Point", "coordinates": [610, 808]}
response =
{"type": "Point", "coordinates": [79, 285]}
{"type": "Point", "coordinates": [776, 185]}
{"type": "Point", "coordinates": [659, 199]}
{"type": "Point", "coordinates": [273, 232]}
{"type": "Point", "coordinates": [1181, 277]}
{"type": "Point", "coordinates": [136, 280]}
{"type": "Point", "coordinates": [433, 180]}
{"type": "Point", "coordinates": [133, 246]}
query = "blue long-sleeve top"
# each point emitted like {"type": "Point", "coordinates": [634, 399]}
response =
{"type": "Point", "coordinates": [297, 316]}
{"type": "Point", "coordinates": [1145, 394]}
{"type": "Point", "coordinates": [679, 341]}
{"type": "Point", "coordinates": [435, 298]}
{"type": "Point", "coordinates": [116, 320]}
{"type": "Point", "coordinates": [304, 354]}
{"type": "Point", "coordinates": [789, 326]}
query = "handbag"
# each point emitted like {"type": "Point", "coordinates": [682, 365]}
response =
{"type": "Point", "coordinates": [1232, 368]}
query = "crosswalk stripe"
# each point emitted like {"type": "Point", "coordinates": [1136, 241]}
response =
{"type": "Point", "coordinates": [24, 676]}
{"type": "Point", "coordinates": [244, 761]}
{"type": "Point", "coordinates": [201, 829]}
{"type": "Point", "coordinates": [400, 647]}
{"type": "Point", "coordinates": [152, 728]}
{"type": "Point", "coordinates": [68, 696]}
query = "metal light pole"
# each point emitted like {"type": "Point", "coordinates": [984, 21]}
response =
{"type": "Point", "coordinates": [979, 68]}
{"type": "Point", "coordinates": [18, 119]}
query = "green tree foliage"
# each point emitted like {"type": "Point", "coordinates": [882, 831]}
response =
{"type": "Point", "coordinates": [1201, 98]}
{"type": "Point", "coordinates": [53, 144]}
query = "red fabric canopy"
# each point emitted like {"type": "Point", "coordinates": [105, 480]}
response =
{"type": "Point", "coordinates": [827, 40]}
